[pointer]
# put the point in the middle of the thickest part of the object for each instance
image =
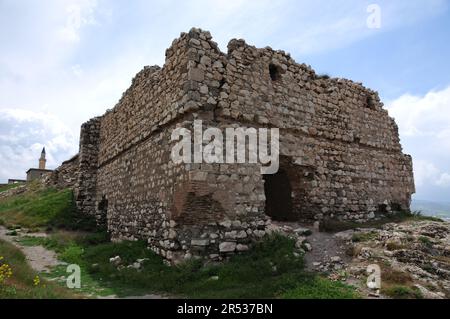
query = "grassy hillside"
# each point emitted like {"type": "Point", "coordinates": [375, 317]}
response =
{"type": "Point", "coordinates": [39, 207]}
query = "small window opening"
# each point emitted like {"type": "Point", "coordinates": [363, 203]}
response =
{"type": "Point", "coordinates": [275, 72]}
{"type": "Point", "coordinates": [103, 204]}
{"type": "Point", "coordinates": [370, 103]}
{"type": "Point", "coordinates": [382, 208]}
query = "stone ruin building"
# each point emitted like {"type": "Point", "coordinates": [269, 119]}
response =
{"type": "Point", "coordinates": [340, 153]}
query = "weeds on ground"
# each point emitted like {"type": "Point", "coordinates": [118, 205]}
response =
{"type": "Point", "coordinates": [21, 281]}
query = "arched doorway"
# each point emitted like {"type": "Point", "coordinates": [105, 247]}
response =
{"type": "Point", "coordinates": [278, 191]}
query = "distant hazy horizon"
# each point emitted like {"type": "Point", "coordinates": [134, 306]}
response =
{"type": "Point", "coordinates": [439, 209]}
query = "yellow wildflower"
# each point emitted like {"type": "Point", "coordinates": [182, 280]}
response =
{"type": "Point", "coordinates": [36, 280]}
{"type": "Point", "coordinates": [5, 271]}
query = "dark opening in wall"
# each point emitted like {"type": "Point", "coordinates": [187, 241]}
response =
{"type": "Point", "coordinates": [278, 191]}
{"type": "Point", "coordinates": [103, 205]}
{"type": "Point", "coordinates": [275, 72]}
{"type": "Point", "coordinates": [370, 103]}
{"type": "Point", "coordinates": [396, 207]}
{"type": "Point", "coordinates": [382, 208]}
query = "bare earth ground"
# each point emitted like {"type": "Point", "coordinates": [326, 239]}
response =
{"type": "Point", "coordinates": [324, 245]}
{"type": "Point", "coordinates": [39, 258]}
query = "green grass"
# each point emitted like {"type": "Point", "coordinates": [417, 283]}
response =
{"type": "Point", "coordinates": [20, 285]}
{"type": "Point", "coordinates": [363, 237]}
{"type": "Point", "coordinates": [426, 241]}
{"type": "Point", "coordinates": [271, 270]}
{"type": "Point", "coordinates": [320, 288]}
{"type": "Point", "coordinates": [43, 208]}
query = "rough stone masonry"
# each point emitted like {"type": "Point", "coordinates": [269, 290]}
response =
{"type": "Point", "coordinates": [340, 153]}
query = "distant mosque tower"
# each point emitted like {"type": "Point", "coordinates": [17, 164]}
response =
{"type": "Point", "coordinates": [36, 173]}
{"type": "Point", "coordinates": [42, 159]}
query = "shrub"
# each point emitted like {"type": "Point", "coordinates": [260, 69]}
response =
{"type": "Point", "coordinates": [426, 241]}
{"type": "Point", "coordinates": [72, 254]}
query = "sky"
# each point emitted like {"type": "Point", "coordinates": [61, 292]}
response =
{"type": "Point", "coordinates": [65, 61]}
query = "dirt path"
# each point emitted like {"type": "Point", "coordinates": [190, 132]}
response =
{"type": "Point", "coordinates": [325, 249]}
{"type": "Point", "coordinates": [39, 258]}
{"type": "Point", "coordinates": [327, 254]}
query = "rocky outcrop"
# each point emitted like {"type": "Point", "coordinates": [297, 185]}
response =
{"type": "Point", "coordinates": [412, 255]}
{"type": "Point", "coordinates": [419, 250]}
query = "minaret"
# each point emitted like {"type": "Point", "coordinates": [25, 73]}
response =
{"type": "Point", "coordinates": [42, 159]}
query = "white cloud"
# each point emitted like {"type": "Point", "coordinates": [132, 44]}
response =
{"type": "Point", "coordinates": [424, 127]}
{"type": "Point", "coordinates": [79, 14]}
{"type": "Point", "coordinates": [427, 115]}
{"type": "Point", "coordinates": [424, 171]}
{"type": "Point", "coordinates": [24, 133]}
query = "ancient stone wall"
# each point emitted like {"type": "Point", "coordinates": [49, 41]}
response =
{"type": "Point", "coordinates": [340, 150]}
{"type": "Point", "coordinates": [65, 176]}
{"type": "Point", "coordinates": [335, 130]}
{"type": "Point", "coordinates": [86, 184]}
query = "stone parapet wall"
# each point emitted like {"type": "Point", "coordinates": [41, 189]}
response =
{"type": "Point", "coordinates": [65, 176]}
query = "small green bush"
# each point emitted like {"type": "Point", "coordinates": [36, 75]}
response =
{"type": "Point", "coordinates": [72, 254]}
{"type": "Point", "coordinates": [426, 241]}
